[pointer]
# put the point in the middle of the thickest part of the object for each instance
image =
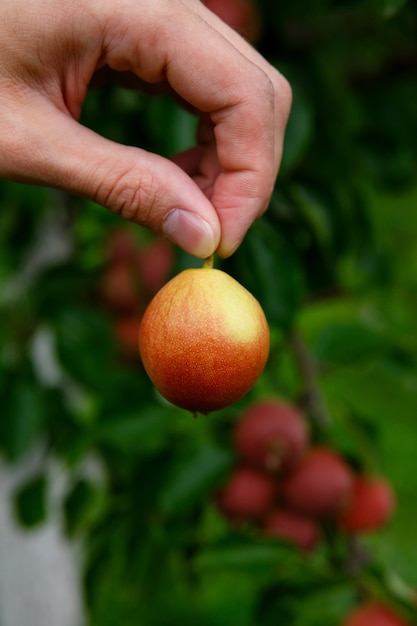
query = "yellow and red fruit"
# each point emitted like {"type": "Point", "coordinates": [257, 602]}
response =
{"type": "Point", "coordinates": [203, 340]}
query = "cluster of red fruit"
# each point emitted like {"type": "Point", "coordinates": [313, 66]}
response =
{"type": "Point", "coordinates": [288, 487]}
{"type": "Point", "coordinates": [131, 277]}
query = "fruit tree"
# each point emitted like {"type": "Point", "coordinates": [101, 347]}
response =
{"type": "Point", "coordinates": [290, 497]}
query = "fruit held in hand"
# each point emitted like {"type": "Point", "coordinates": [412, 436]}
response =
{"type": "Point", "coordinates": [203, 340]}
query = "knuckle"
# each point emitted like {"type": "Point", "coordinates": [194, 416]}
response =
{"type": "Point", "coordinates": [282, 91]}
{"type": "Point", "coordinates": [132, 194]}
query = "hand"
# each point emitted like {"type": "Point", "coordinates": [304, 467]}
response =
{"type": "Point", "coordinates": [204, 199]}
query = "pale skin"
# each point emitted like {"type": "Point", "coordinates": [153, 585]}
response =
{"type": "Point", "coordinates": [205, 199]}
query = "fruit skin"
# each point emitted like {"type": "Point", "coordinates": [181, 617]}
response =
{"type": "Point", "coordinates": [301, 530]}
{"type": "Point", "coordinates": [320, 485]}
{"type": "Point", "coordinates": [370, 507]}
{"type": "Point", "coordinates": [272, 435]}
{"type": "Point", "coordinates": [373, 614]}
{"type": "Point", "coordinates": [248, 495]}
{"type": "Point", "coordinates": [203, 340]}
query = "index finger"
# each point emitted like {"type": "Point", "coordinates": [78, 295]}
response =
{"type": "Point", "coordinates": [218, 73]}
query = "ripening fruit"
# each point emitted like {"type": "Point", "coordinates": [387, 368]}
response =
{"type": "Point", "coordinates": [126, 330]}
{"type": "Point", "coordinates": [119, 289]}
{"type": "Point", "coordinates": [298, 529]}
{"type": "Point", "coordinates": [121, 247]}
{"type": "Point", "coordinates": [155, 264]}
{"type": "Point", "coordinates": [272, 435]}
{"type": "Point", "coordinates": [248, 495]}
{"type": "Point", "coordinates": [371, 505]}
{"type": "Point", "coordinates": [320, 485]}
{"type": "Point", "coordinates": [373, 614]}
{"type": "Point", "coordinates": [203, 340]}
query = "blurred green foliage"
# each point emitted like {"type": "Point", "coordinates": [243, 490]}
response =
{"type": "Point", "coordinates": [334, 264]}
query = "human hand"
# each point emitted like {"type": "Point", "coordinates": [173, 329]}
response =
{"type": "Point", "coordinates": [204, 199]}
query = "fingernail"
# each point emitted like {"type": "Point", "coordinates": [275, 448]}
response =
{"type": "Point", "coordinates": [190, 232]}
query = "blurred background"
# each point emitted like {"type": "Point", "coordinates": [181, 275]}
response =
{"type": "Point", "coordinates": [108, 507]}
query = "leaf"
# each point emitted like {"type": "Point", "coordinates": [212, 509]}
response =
{"type": "Point", "coordinates": [390, 8]}
{"type": "Point", "coordinates": [315, 214]}
{"type": "Point", "coordinates": [194, 479]}
{"type": "Point", "coordinates": [267, 265]}
{"type": "Point", "coordinates": [30, 501]}
{"type": "Point", "coordinates": [83, 506]}
{"type": "Point", "coordinates": [23, 413]}
{"type": "Point", "coordinates": [298, 133]}
{"type": "Point", "coordinates": [219, 593]}
{"type": "Point", "coordinates": [84, 346]}
{"type": "Point", "coordinates": [142, 429]}
{"type": "Point", "coordinates": [243, 556]}
{"type": "Point", "coordinates": [346, 343]}
{"type": "Point", "coordinates": [324, 608]}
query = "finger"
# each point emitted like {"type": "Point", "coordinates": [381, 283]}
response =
{"type": "Point", "coordinates": [140, 186]}
{"type": "Point", "coordinates": [240, 99]}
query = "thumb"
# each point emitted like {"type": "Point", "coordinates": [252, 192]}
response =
{"type": "Point", "coordinates": [140, 186]}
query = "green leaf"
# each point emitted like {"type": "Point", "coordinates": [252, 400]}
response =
{"type": "Point", "coordinates": [141, 430]}
{"type": "Point", "coordinates": [242, 556]}
{"type": "Point", "coordinates": [318, 608]}
{"type": "Point", "coordinates": [84, 346]}
{"type": "Point", "coordinates": [30, 501]}
{"type": "Point", "coordinates": [194, 479]}
{"type": "Point", "coordinates": [268, 267]}
{"type": "Point", "coordinates": [391, 7]}
{"type": "Point", "coordinates": [219, 595]}
{"type": "Point", "coordinates": [83, 506]}
{"type": "Point", "coordinates": [348, 342]}
{"type": "Point", "coordinates": [23, 411]}
{"type": "Point", "coordinates": [315, 214]}
{"type": "Point", "coordinates": [298, 133]}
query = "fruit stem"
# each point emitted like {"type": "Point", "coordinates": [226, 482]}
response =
{"type": "Point", "coordinates": [209, 261]}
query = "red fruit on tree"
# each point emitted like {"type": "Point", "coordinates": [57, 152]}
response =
{"type": "Point", "coordinates": [248, 495]}
{"type": "Point", "coordinates": [126, 330]}
{"type": "Point", "coordinates": [272, 435]}
{"type": "Point", "coordinates": [242, 15]}
{"type": "Point", "coordinates": [119, 289]}
{"type": "Point", "coordinates": [371, 505]}
{"type": "Point", "coordinates": [121, 247]}
{"type": "Point", "coordinates": [155, 265]}
{"type": "Point", "coordinates": [301, 530]}
{"type": "Point", "coordinates": [373, 614]}
{"type": "Point", "coordinates": [320, 485]}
